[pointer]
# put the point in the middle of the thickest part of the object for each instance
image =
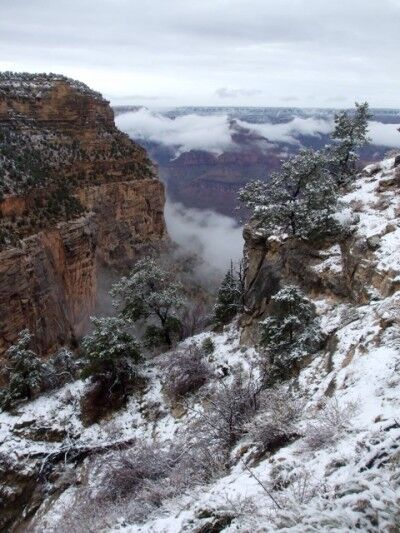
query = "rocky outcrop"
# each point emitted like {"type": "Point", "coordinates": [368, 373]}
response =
{"type": "Point", "coordinates": [358, 267]}
{"type": "Point", "coordinates": [76, 194]}
{"type": "Point", "coordinates": [48, 285]}
{"type": "Point", "coordinates": [129, 216]}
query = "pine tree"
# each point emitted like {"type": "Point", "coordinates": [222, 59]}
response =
{"type": "Point", "coordinates": [151, 293]}
{"type": "Point", "coordinates": [112, 353]}
{"type": "Point", "coordinates": [230, 295]}
{"type": "Point", "coordinates": [350, 133]}
{"type": "Point", "coordinates": [291, 331]}
{"type": "Point", "coordinates": [300, 200]}
{"type": "Point", "coordinates": [24, 372]}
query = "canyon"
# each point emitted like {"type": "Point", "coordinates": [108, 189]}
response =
{"type": "Point", "coordinates": [204, 170]}
{"type": "Point", "coordinates": [320, 454]}
{"type": "Point", "coordinates": [76, 196]}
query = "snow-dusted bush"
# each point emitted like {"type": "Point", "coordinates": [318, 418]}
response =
{"type": "Point", "coordinates": [150, 292]}
{"type": "Point", "coordinates": [24, 372]}
{"type": "Point", "coordinates": [329, 423]}
{"type": "Point", "coordinates": [290, 332]}
{"type": "Point", "coordinates": [293, 484]}
{"type": "Point", "coordinates": [185, 372]}
{"type": "Point", "coordinates": [370, 503]}
{"type": "Point", "coordinates": [110, 350]}
{"type": "Point", "coordinates": [275, 424]}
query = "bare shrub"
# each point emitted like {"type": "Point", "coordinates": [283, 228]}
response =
{"type": "Point", "coordinates": [131, 483]}
{"type": "Point", "coordinates": [204, 460]}
{"type": "Point", "coordinates": [275, 425]}
{"type": "Point", "coordinates": [194, 318]}
{"type": "Point", "coordinates": [357, 206]}
{"type": "Point", "coordinates": [228, 411]}
{"type": "Point", "coordinates": [127, 472]}
{"type": "Point", "coordinates": [329, 423]}
{"type": "Point", "coordinates": [63, 368]}
{"type": "Point", "coordinates": [185, 373]}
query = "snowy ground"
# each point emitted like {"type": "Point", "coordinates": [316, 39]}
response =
{"type": "Point", "coordinates": [341, 474]}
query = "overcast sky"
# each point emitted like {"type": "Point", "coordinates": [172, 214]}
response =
{"type": "Point", "coordinates": [212, 52]}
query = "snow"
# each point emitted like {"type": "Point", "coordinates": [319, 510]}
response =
{"type": "Point", "coordinates": [351, 391]}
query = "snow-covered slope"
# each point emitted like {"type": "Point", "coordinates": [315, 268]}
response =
{"type": "Point", "coordinates": [339, 468]}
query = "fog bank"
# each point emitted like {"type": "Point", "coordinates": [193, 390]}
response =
{"type": "Point", "coordinates": [215, 238]}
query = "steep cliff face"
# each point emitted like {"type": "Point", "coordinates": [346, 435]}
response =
{"type": "Point", "coordinates": [75, 192]}
{"type": "Point", "coordinates": [359, 268]}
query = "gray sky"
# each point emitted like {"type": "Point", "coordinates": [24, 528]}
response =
{"type": "Point", "coordinates": [212, 52]}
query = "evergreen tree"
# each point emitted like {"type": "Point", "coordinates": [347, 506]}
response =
{"type": "Point", "coordinates": [291, 331]}
{"type": "Point", "coordinates": [150, 292]}
{"type": "Point", "coordinates": [300, 200]}
{"type": "Point", "coordinates": [24, 372]}
{"type": "Point", "coordinates": [208, 346]}
{"type": "Point", "coordinates": [350, 133]}
{"type": "Point", "coordinates": [112, 353]}
{"type": "Point", "coordinates": [230, 295]}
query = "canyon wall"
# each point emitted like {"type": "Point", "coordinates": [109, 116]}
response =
{"type": "Point", "coordinates": [76, 194]}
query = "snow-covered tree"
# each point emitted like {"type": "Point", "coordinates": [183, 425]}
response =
{"type": "Point", "coordinates": [23, 371]}
{"type": "Point", "coordinates": [150, 292]}
{"type": "Point", "coordinates": [112, 353]}
{"type": "Point", "coordinates": [300, 200]}
{"type": "Point", "coordinates": [230, 295]}
{"type": "Point", "coordinates": [350, 133]}
{"type": "Point", "coordinates": [292, 329]}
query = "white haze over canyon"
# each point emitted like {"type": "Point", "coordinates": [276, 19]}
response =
{"type": "Point", "coordinates": [213, 132]}
{"type": "Point", "coordinates": [216, 239]}
{"type": "Point", "coordinates": [189, 132]}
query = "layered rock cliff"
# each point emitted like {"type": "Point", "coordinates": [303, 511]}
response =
{"type": "Point", "coordinates": [76, 193]}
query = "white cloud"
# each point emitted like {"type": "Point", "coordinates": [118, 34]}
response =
{"type": "Point", "coordinates": [215, 238]}
{"type": "Point", "coordinates": [384, 134]}
{"type": "Point", "coordinates": [288, 131]}
{"type": "Point", "coordinates": [211, 133]}
{"type": "Point", "coordinates": [189, 132]}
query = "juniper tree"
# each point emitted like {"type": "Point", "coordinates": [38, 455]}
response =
{"type": "Point", "coordinates": [291, 331]}
{"type": "Point", "coordinates": [230, 295]}
{"type": "Point", "coordinates": [350, 133]}
{"type": "Point", "coordinates": [151, 293]}
{"type": "Point", "coordinates": [112, 355]}
{"type": "Point", "coordinates": [24, 372]}
{"type": "Point", "coordinates": [111, 351]}
{"type": "Point", "coordinates": [300, 200]}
